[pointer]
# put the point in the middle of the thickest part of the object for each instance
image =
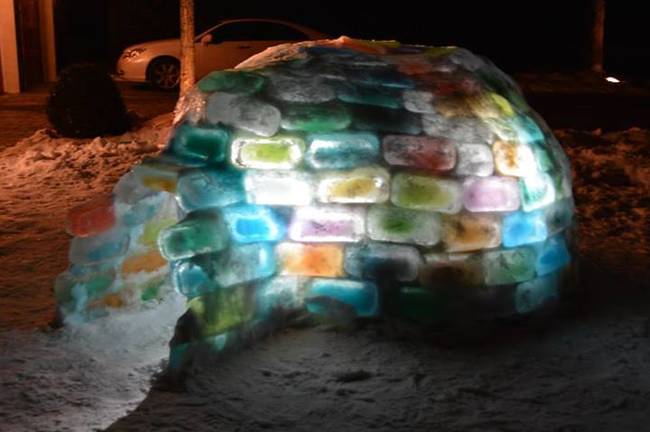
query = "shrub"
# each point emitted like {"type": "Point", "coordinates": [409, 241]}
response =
{"type": "Point", "coordinates": [85, 102]}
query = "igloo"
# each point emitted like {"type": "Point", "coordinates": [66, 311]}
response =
{"type": "Point", "coordinates": [339, 178]}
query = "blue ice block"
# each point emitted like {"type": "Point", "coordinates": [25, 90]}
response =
{"type": "Point", "coordinates": [282, 293]}
{"type": "Point", "coordinates": [254, 223]}
{"type": "Point", "coordinates": [103, 247]}
{"type": "Point", "coordinates": [552, 255]}
{"type": "Point", "coordinates": [194, 276]}
{"type": "Point", "coordinates": [244, 263]}
{"type": "Point", "coordinates": [533, 294]}
{"type": "Point", "coordinates": [342, 150]}
{"type": "Point", "coordinates": [522, 228]}
{"type": "Point", "coordinates": [362, 296]}
{"type": "Point", "coordinates": [206, 187]}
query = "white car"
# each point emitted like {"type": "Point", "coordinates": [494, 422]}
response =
{"type": "Point", "coordinates": [221, 47]}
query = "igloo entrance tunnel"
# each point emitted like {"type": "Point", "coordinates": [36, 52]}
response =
{"type": "Point", "coordinates": [342, 178]}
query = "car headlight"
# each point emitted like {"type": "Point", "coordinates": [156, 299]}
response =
{"type": "Point", "coordinates": [132, 53]}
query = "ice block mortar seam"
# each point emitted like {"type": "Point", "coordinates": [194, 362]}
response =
{"type": "Point", "coordinates": [423, 150]}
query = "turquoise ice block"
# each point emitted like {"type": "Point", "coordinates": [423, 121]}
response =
{"type": "Point", "coordinates": [204, 188]}
{"type": "Point", "coordinates": [362, 296]}
{"type": "Point", "coordinates": [199, 233]}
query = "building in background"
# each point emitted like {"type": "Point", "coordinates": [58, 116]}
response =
{"type": "Point", "coordinates": [27, 44]}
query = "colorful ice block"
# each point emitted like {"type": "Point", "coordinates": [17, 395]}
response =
{"type": "Point", "coordinates": [507, 266]}
{"type": "Point", "coordinates": [427, 153]}
{"type": "Point", "coordinates": [243, 112]}
{"type": "Point", "coordinates": [92, 217]}
{"type": "Point", "coordinates": [195, 276]}
{"type": "Point", "coordinates": [361, 296]}
{"type": "Point", "coordinates": [280, 294]}
{"type": "Point", "coordinates": [378, 96]}
{"type": "Point", "coordinates": [101, 247]}
{"type": "Point", "coordinates": [419, 101]}
{"type": "Point", "coordinates": [522, 228]}
{"type": "Point", "coordinates": [158, 174]}
{"type": "Point", "coordinates": [244, 263]}
{"type": "Point", "coordinates": [300, 259]}
{"type": "Point", "coordinates": [398, 225]}
{"type": "Point", "coordinates": [537, 191]}
{"type": "Point", "coordinates": [146, 262]}
{"type": "Point", "coordinates": [552, 255]}
{"type": "Point", "coordinates": [334, 223]}
{"type": "Point", "coordinates": [426, 193]}
{"type": "Point", "coordinates": [474, 160]}
{"type": "Point", "coordinates": [470, 232]}
{"type": "Point", "coordinates": [301, 89]}
{"type": "Point", "coordinates": [282, 188]}
{"type": "Point", "coordinates": [452, 271]}
{"type": "Point", "coordinates": [199, 233]}
{"type": "Point", "coordinates": [202, 188]}
{"type": "Point", "coordinates": [249, 223]}
{"type": "Point", "coordinates": [382, 261]}
{"type": "Point", "coordinates": [315, 118]}
{"type": "Point", "coordinates": [490, 194]}
{"type": "Point", "coordinates": [277, 152]}
{"type": "Point", "coordinates": [457, 129]}
{"type": "Point", "coordinates": [513, 158]}
{"type": "Point", "coordinates": [361, 185]}
{"type": "Point", "coordinates": [342, 150]}
{"type": "Point", "coordinates": [208, 144]}
{"type": "Point", "coordinates": [221, 310]}
{"type": "Point", "coordinates": [232, 81]}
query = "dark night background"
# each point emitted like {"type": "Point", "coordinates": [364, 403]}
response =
{"type": "Point", "coordinates": [518, 36]}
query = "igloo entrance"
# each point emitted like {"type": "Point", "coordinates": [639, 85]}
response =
{"type": "Point", "coordinates": [342, 178]}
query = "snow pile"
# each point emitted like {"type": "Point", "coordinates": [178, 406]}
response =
{"type": "Point", "coordinates": [42, 177]}
{"type": "Point", "coordinates": [612, 191]}
{"type": "Point", "coordinates": [83, 377]}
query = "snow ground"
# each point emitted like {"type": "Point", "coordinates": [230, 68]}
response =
{"type": "Point", "coordinates": [585, 370]}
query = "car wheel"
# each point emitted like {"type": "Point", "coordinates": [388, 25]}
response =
{"type": "Point", "coordinates": [165, 73]}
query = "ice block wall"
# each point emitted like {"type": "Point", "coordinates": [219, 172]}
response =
{"type": "Point", "coordinates": [345, 178]}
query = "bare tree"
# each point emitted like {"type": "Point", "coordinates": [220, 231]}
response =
{"type": "Point", "coordinates": [187, 45]}
{"type": "Point", "coordinates": [597, 36]}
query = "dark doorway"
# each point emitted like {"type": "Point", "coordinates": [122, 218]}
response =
{"type": "Point", "coordinates": [29, 43]}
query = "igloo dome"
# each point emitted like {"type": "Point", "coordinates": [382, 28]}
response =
{"type": "Point", "coordinates": [341, 178]}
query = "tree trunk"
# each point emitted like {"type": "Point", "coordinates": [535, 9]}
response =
{"type": "Point", "coordinates": [187, 46]}
{"type": "Point", "coordinates": [597, 36]}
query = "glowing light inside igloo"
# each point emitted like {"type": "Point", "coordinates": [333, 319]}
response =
{"type": "Point", "coordinates": [341, 178]}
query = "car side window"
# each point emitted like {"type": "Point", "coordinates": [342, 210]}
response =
{"type": "Point", "coordinates": [274, 31]}
{"type": "Point", "coordinates": [245, 31]}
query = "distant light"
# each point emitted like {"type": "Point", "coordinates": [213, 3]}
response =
{"type": "Point", "coordinates": [612, 80]}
